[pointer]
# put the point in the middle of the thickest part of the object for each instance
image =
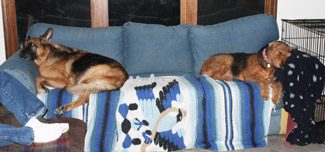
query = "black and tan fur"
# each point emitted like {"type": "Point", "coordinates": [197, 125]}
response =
{"type": "Point", "coordinates": [251, 67]}
{"type": "Point", "coordinates": [77, 71]}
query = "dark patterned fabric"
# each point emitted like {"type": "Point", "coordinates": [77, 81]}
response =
{"type": "Point", "coordinates": [303, 78]}
{"type": "Point", "coordinates": [62, 144]}
{"type": "Point", "coordinates": [6, 117]}
{"type": "Point", "coordinates": [72, 141]}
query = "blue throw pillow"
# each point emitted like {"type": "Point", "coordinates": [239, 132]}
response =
{"type": "Point", "coordinates": [103, 41]}
{"type": "Point", "coordinates": [247, 34]}
{"type": "Point", "coordinates": [157, 49]}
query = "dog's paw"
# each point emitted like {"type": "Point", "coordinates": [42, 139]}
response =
{"type": "Point", "coordinates": [46, 90]}
{"type": "Point", "coordinates": [60, 110]}
{"type": "Point", "coordinates": [265, 93]}
{"type": "Point", "coordinates": [44, 87]}
{"type": "Point", "coordinates": [265, 96]}
{"type": "Point", "coordinates": [275, 100]}
{"type": "Point", "coordinates": [40, 89]}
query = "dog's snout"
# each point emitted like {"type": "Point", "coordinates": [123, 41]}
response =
{"type": "Point", "coordinates": [27, 53]}
{"type": "Point", "coordinates": [23, 53]}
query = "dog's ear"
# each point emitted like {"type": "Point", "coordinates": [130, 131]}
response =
{"type": "Point", "coordinates": [46, 38]}
{"type": "Point", "coordinates": [271, 43]}
{"type": "Point", "coordinates": [26, 41]}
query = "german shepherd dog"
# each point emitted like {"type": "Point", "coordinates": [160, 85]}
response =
{"type": "Point", "coordinates": [78, 71]}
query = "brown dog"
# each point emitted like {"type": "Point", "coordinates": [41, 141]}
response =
{"type": "Point", "coordinates": [75, 70]}
{"type": "Point", "coordinates": [257, 67]}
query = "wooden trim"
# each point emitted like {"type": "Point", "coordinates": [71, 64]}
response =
{"type": "Point", "coordinates": [99, 13]}
{"type": "Point", "coordinates": [10, 27]}
{"type": "Point", "coordinates": [189, 11]}
{"type": "Point", "coordinates": [271, 7]}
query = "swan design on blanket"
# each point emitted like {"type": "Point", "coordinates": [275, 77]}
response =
{"type": "Point", "coordinates": [157, 118]}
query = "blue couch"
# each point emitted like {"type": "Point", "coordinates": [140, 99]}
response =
{"type": "Point", "coordinates": [146, 49]}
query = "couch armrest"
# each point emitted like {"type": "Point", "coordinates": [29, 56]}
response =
{"type": "Point", "coordinates": [23, 70]}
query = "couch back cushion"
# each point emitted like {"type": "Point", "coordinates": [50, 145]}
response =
{"type": "Point", "coordinates": [103, 41]}
{"type": "Point", "coordinates": [247, 34]}
{"type": "Point", "coordinates": [157, 49]}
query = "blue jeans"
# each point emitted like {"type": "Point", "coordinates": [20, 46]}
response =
{"type": "Point", "coordinates": [24, 105]}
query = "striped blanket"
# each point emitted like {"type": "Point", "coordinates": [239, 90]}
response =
{"type": "Point", "coordinates": [99, 115]}
{"type": "Point", "coordinates": [235, 115]}
{"type": "Point", "coordinates": [169, 113]}
{"type": "Point", "coordinates": [154, 113]}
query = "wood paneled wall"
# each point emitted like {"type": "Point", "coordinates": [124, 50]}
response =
{"type": "Point", "coordinates": [10, 26]}
{"type": "Point", "coordinates": [99, 13]}
{"type": "Point", "coordinates": [270, 7]}
{"type": "Point", "coordinates": [100, 17]}
{"type": "Point", "coordinates": [189, 11]}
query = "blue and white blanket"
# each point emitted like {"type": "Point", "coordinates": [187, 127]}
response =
{"type": "Point", "coordinates": [235, 115]}
{"type": "Point", "coordinates": [158, 114]}
{"type": "Point", "coordinates": [149, 114]}
{"type": "Point", "coordinates": [98, 114]}
{"type": "Point", "coordinates": [169, 113]}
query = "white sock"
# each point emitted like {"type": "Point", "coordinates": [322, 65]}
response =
{"type": "Point", "coordinates": [44, 132]}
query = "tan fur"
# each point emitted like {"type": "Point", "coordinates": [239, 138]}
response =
{"type": "Point", "coordinates": [56, 70]}
{"type": "Point", "coordinates": [219, 67]}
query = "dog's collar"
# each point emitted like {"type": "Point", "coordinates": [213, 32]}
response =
{"type": "Point", "coordinates": [265, 58]}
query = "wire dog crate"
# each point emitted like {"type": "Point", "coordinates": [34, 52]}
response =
{"type": "Point", "coordinates": [307, 35]}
